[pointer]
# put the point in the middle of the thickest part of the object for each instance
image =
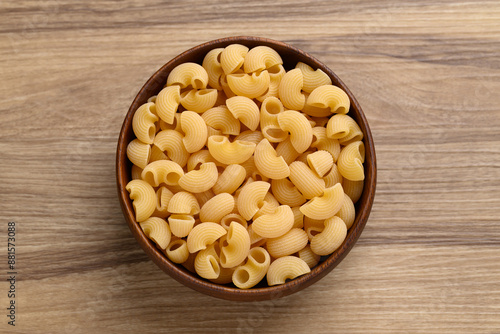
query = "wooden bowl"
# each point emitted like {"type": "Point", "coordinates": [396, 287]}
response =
{"type": "Point", "coordinates": [291, 56]}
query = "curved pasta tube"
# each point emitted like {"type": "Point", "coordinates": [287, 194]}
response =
{"type": "Point", "coordinates": [229, 153]}
{"type": "Point", "coordinates": [290, 90]}
{"type": "Point", "coordinates": [181, 225]}
{"type": "Point", "coordinates": [254, 270]}
{"type": "Point", "coordinates": [203, 235]}
{"type": "Point", "coordinates": [143, 123]}
{"type": "Point", "coordinates": [177, 251]}
{"type": "Point", "coordinates": [251, 136]}
{"type": "Point", "coordinates": [329, 96]}
{"type": "Point", "coordinates": [307, 182]}
{"type": "Point", "coordinates": [157, 230]}
{"type": "Point", "coordinates": [350, 162]}
{"type": "Point", "coordinates": [162, 171]}
{"type": "Point", "coordinates": [287, 267]}
{"type": "Point", "coordinates": [233, 57]}
{"type": "Point", "coordinates": [269, 163]}
{"type": "Point", "coordinates": [300, 129]}
{"type": "Point", "coordinates": [343, 128]}
{"type": "Point", "coordinates": [220, 118]}
{"type": "Point", "coordinates": [251, 197]}
{"type": "Point", "coordinates": [249, 85]}
{"type": "Point", "coordinates": [199, 100]}
{"type": "Point", "coordinates": [325, 206]}
{"type": "Point", "coordinates": [245, 110]}
{"type": "Point", "coordinates": [322, 142]}
{"type": "Point", "coordinates": [216, 208]}
{"type": "Point", "coordinates": [225, 86]}
{"type": "Point", "coordinates": [289, 243]}
{"type": "Point", "coordinates": [195, 131]}
{"type": "Point", "coordinates": [353, 189]}
{"type": "Point", "coordinates": [157, 154]}
{"type": "Point", "coordinates": [212, 65]}
{"type": "Point", "coordinates": [333, 177]}
{"type": "Point", "coordinates": [163, 196]}
{"type": "Point", "coordinates": [255, 239]}
{"type": "Point", "coordinates": [204, 196]}
{"type": "Point", "coordinates": [197, 181]}
{"type": "Point", "coordinates": [206, 263]}
{"type": "Point", "coordinates": [171, 142]}
{"type": "Point", "coordinates": [313, 226]}
{"type": "Point", "coordinates": [347, 212]}
{"type": "Point", "coordinates": [233, 217]}
{"type": "Point", "coordinates": [237, 248]}
{"type": "Point", "coordinates": [198, 158]}
{"type": "Point", "coordinates": [269, 125]}
{"type": "Point", "coordinates": [188, 74]}
{"type": "Point", "coordinates": [143, 199]}
{"type": "Point", "coordinates": [298, 218]}
{"type": "Point", "coordinates": [313, 78]}
{"type": "Point", "coordinates": [231, 179]}
{"type": "Point", "coordinates": [167, 103]}
{"type": "Point", "coordinates": [138, 153]}
{"type": "Point", "coordinates": [309, 257]}
{"type": "Point", "coordinates": [261, 58]}
{"type": "Point", "coordinates": [331, 238]}
{"type": "Point", "coordinates": [287, 193]}
{"type": "Point", "coordinates": [183, 203]}
{"type": "Point", "coordinates": [287, 151]}
{"type": "Point", "coordinates": [269, 205]}
{"type": "Point", "coordinates": [321, 162]}
{"type": "Point", "coordinates": [276, 73]}
{"type": "Point", "coordinates": [276, 224]}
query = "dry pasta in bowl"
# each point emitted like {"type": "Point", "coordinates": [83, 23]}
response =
{"type": "Point", "coordinates": [246, 170]}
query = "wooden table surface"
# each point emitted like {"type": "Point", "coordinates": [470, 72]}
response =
{"type": "Point", "coordinates": [427, 74]}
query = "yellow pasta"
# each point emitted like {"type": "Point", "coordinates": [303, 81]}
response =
{"type": "Point", "coordinates": [143, 123]}
{"type": "Point", "coordinates": [188, 74]}
{"type": "Point", "coordinates": [309, 257]}
{"type": "Point", "coordinates": [157, 154]}
{"type": "Point", "coordinates": [195, 131]}
{"type": "Point", "coordinates": [333, 177]}
{"type": "Point", "coordinates": [261, 58]}
{"type": "Point", "coordinates": [167, 103]}
{"type": "Point", "coordinates": [198, 158]}
{"type": "Point", "coordinates": [312, 78]}
{"type": "Point", "coordinates": [269, 163]}
{"type": "Point", "coordinates": [276, 73]}
{"type": "Point", "coordinates": [211, 64]}
{"type": "Point", "coordinates": [329, 96]}
{"type": "Point", "coordinates": [269, 205]}
{"type": "Point", "coordinates": [331, 238]}
{"type": "Point", "coordinates": [290, 90]}
{"type": "Point", "coordinates": [143, 199]}
{"type": "Point", "coordinates": [287, 151]}
{"type": "Point", "coordinates": [249, 85]}
{"type": "Point", "coordinates": [289, 243]}
{"type": "Point", "coordinates": [230, 153]}
{"type": "Point", "coordinates": [204, 197]}
{"type": "Point", "coordinates": [313, 226]}
{"type": "Point", "coordinates": [177, 251]}
{"type": "Point", "coordinates": [251, 197]}
{"type": "Point", "coordinates": [347, 212]}
{"type": "Point", "coordinates": [163, 196]}
{"type": "Point", "coordinates": [181, 225]}
{"type": "Point", "coordinates": [203, 235]}
{"type": "Point", "coordinates": [199, 100]}
{"type": "Point", "coordinates": [275, 224]}
{"type": "Point", "coordinates": [287, 267]}
{"type": "Point", "coordinates": [176, 123]}
{"type": "Point", "coordinates": [233, 217]}
{"type": "Point", "coordinates": [136, 172]}
{"type": "Point", "coordinates": [225, 86]}
{"type": "Point", "coordinates": [251, 136]}
{"type": "Point", "coordinates": [298, 217]}
{"type": "Point", "coordinates": [299, 127]}
{"type": "Point", "coordinates": [183, 203]}
{"type": "Point", "coordinates": [197, 181]}
{"type": "Point", "coordinates": [138, 153]}
{"type": "Point", "coordinates": [322, 142]}
{"type": "Point", "coordinates": [287, 193]}
{"type": "Point", "coordinates": [321, 162]}
{"type": "Point", "coordinates": [269, 125]}
{"type": "Point", "coordinates": [343, 128]}
{"type": "Point", "coordinates": [216, 208]}
{"type": "Point", "coordinates": [237, 248]}
{"type": "Point", "coordinates": [307, 182]}
{"type": "Point", "coordinates": [157, 230]}
{"type": "Point", "coordinates": [350, 162]}
{"type": "Point", "coordinates": [206, 263]}
{"type": "Point", "coordinates": [162, 171]}
{"type": "Point", "coordinates": [325, 206]}
{"type": "Point", "coordinates": [219, 118]}
{"type": "Point", "coordinates": [353, 189]}
{"type": "Point", "coordinates": [245, 110]}
{"type": "Point", "coordinates": [255, 239]}
{"type": "Point", "coordinates": [254, 270]}
{"type": "Point", "coordinates": [233, 57]}
{"type": "Point", "coordinates": [231, 179]}
{"type": "Point", "coordinates": [171, 142]}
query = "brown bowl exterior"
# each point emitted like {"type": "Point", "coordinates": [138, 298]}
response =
{"type": "Point", "coordinates": [290, 56]}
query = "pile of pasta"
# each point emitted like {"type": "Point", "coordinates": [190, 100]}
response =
{"type": "Point", "coordinates": [243, 170]}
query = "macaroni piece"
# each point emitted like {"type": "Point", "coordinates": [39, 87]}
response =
{"type": "Point", "coordinates": [289, 243]}
{"type": "Point", "coordinates": [245, 110]}
{"type": "Point", "coordinates": [177, 251]}
{"type": "Point", "coordinates": [353, 189]}
{"type": "Point", "coordinates": [299, 127]}
{"type": "Point", "coordinates": [171, 142]}
{"type": "Point", "coordinates": [233, 217]}
{"type": "Point", "coordinates": [276, 73]}
{"type": "Point", "coordinates": [195, 131]}
{"type": "Point", "coordinates": [287, 267]}
{"type": "Point", "coordinates": [249, 85]}
{"type": "Point", "coordinates": [183, 203]}
{"type": "Point", "coordinates": [212, 65]}
{"type": "Point", "coordinates": [261, 58]}
{"type": "Point", "coordinates": [251, 136]}
{"type": "Point", "coordinates": [325, 206]}
{"type": "Point", "coordinates": [269, 125]}
{"type": "Point", "coordinates": [250, 197]}
{"type": "Point", "coordinates": [203, 235]}
{"type": "Point", "coordinates": [167, 102]}
{"type": "Point", "coordinates": [343, 128]}
{"type": "Point", "coordinates": [321, 162]}
{"type": "Point", "coordinates": [298, 217]}
{"type": "Point", "coordinates": [231, 179]}
{"type": "Point", "coordinates": [333, 177]}
{"type": "Point", "coordinates": [330, 238]}
{"type": "Point", "coordinates": [287, 151]}
{"type": "Point", "coordinates": [188, 74]}
{"type": "Point", "coordinates": [307, 182]}
{"type": "Point", "coordinates": [322, 142]}
{"type": "Point", "coordinates": [216, 208]}
{"type": "Point", "coordinates": [290, 90]}
{"type": "Point", "coordinates": [143, 123]}
{"type": "Point", "coordinates": [157, 154]}
{"type": "Point", "coordinates": [198, 158]}
{"type": "Point", "coordinates": [219, 118]}
{"type": "Point", "coordinates": [163, 196]}
{"type": "Point", "coordinates": [162, 171]}
{"type": "Point", "coordinates": [275, 224]}
{"type": "Point", "coordinates": [347, 212]}
{"type": "Point", "coordinates": [233, 57]}
{"type": "Point", "coordinates": [138, 153]}
{"type": "Point", "coordinates": [269, 163]}
{"type": "Point", "coordinates": [198, 181]}
{"type": "Point", "coordinates": [206, 263]}
{"type": "Point", "coordinates": [312, 78]}
{"type": "Point", "coordinates": [309, 257]}
{"type": "Point", "coordinates": [157, 230]}
{"type": "Point", "coordinates": [181, 225]}
{"type": "Point", "coordinates": [143, 199]}
{"type": "Point", "coordinates": [230, 153]}
{"type": "Point", "coordinates": [287, 193]}
{"type": "Point", "coordinates": [199, 100]}
{"type": "Point", "coordinates": [329, 96]}
{"type": "Point", "coordinates": [254, 270]}
{"type": "Point", "coordinates": [236, 247]}
{"type": "Point", "coordinates": [351, 160]}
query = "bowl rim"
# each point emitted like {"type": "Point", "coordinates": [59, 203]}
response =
{"type": "Point", "coordinates": [189, 279]}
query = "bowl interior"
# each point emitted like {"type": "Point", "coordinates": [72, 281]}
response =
{"type": "Point", "coordinates": [290, 56]}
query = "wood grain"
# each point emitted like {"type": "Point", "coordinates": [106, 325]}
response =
{"type": "Point", "coordinates": [427, 76]}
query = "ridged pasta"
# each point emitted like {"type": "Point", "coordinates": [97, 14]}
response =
{"type": "Point", "coordinates": [249, 85]}
{"type": "Point", "coordinates": [233, 217]}
{"type": "Point", "coordinates": [343, 128]}
{"type": "Point", "coordinates": [162, 171]}
{"type": "Point", "coordinates": [331, 238]}
{"type": "Point", "coordinates": [195, 131]}
{"type": "Point", "coordinates": [233, 57]}
{"type": "Point", "coordinates": [275, 224]}
{"type": "Point", "coordinates": [204, 197]}
{"type": "Point", "coordinates": [287, 193]}
{"type": "Point", "coordinates": [254, 270]}
{"type": "Point", "coordinates": [269, 205]}
{"type": "Point", "coordinates": [320, 162]}
{"type": "Point", "coordinates": [329, 96]}
{"type": "Point", "coordinates": [163, 196]}
{"type": "Point", "coordinates": [347, 212]}
{"type": "Point", "coordinates": [309, 257]}
{"type": "Point", "coordinates": [299, 127]}
{"type": "Point", "coordinates": [167, 102]}
{"type": "Point", "coordinates": [237, 248]}
{"type": "Point", "coordinates": [231, 179]}
{"type": "Point", "coordinates": [188, 74]}
{"type": "Point", "coordinates": [298, 217]}
{"type": "Point", "coordinates": [138, 153]}
{"type": "Point", "coordinates": [157, 154]}
{"type": "Point", "coordinates": [269, 163]}
{"type": "Point", "coordinates": [287, 267]}
{"type": "Point", "coordinates": [289, 243]}
{"type": "Point", "coordinates": [313, 226]}
{"type": "Point", "coordinates": [157, 230]}
{"type": "Point", "coordinates": [203, 235]}
{"type": "Point", "coordinates": [211, 64]}
{"type": "Point", "coordinates": [353, 189]}
{"type": "Point", "coordinates": [220, 118]}
{"type": "Point", "coordinates": [350, 162]}
{"type": "Point", "coordinates": [198, 158]}
{"type": "Point", "coordinates": [307, 182]}
{"type": "Point", "coordinates": [251, 136]}
{"type": "Point", "coordinates": [245, 110]}
{"type": "Point", "coordinates": [225, 86]}
{"type": "Point", "coordinates": [230, 153]}
{"type": "Point", "coordinates": [333, 177]}
{"type": "Point", "coordinates": [261, 58]}
{"type": "Point", "coordinates": [199, 100]}
{"type": "Point", "coordinates": [216, 208]}
{"type": "Point", "coordinates": [176, 123]}
{"type": "Point", "coordinates": [183, 203]}
{"type": "Point", "coordinates": [276, 73]}
{"type": "Point", "coordinates": [197, 181]}
{"type": "Point", "coordinates": [143, 199]}
{"type": "Point", "coordinates": [325, 206]}
{"type": "Point", "coordinates": [181, 225]}
{"type": "Point", "coordinates": [177, 251]}
{"type": "Point", "coordinates": [269, 125]}
{"type": "Point", "coordinates": [171, 142]}
{"type": "Point", "coordinates": [290, 90]}
{"type": "Point", "coordinates": [206, 263]}
{"type": "Point", "coordinates": [250, 197]}
{"type": "Point", "coordinates": [255, 239]}
{"type": "Point", "coordinates": [143, 123]}
{"type": "Point", "coordinates": [312, 78]}
{"type": "Point", "coordinates": [287, 151]}
{"type": "Point", "coordinates": [322, 142]}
